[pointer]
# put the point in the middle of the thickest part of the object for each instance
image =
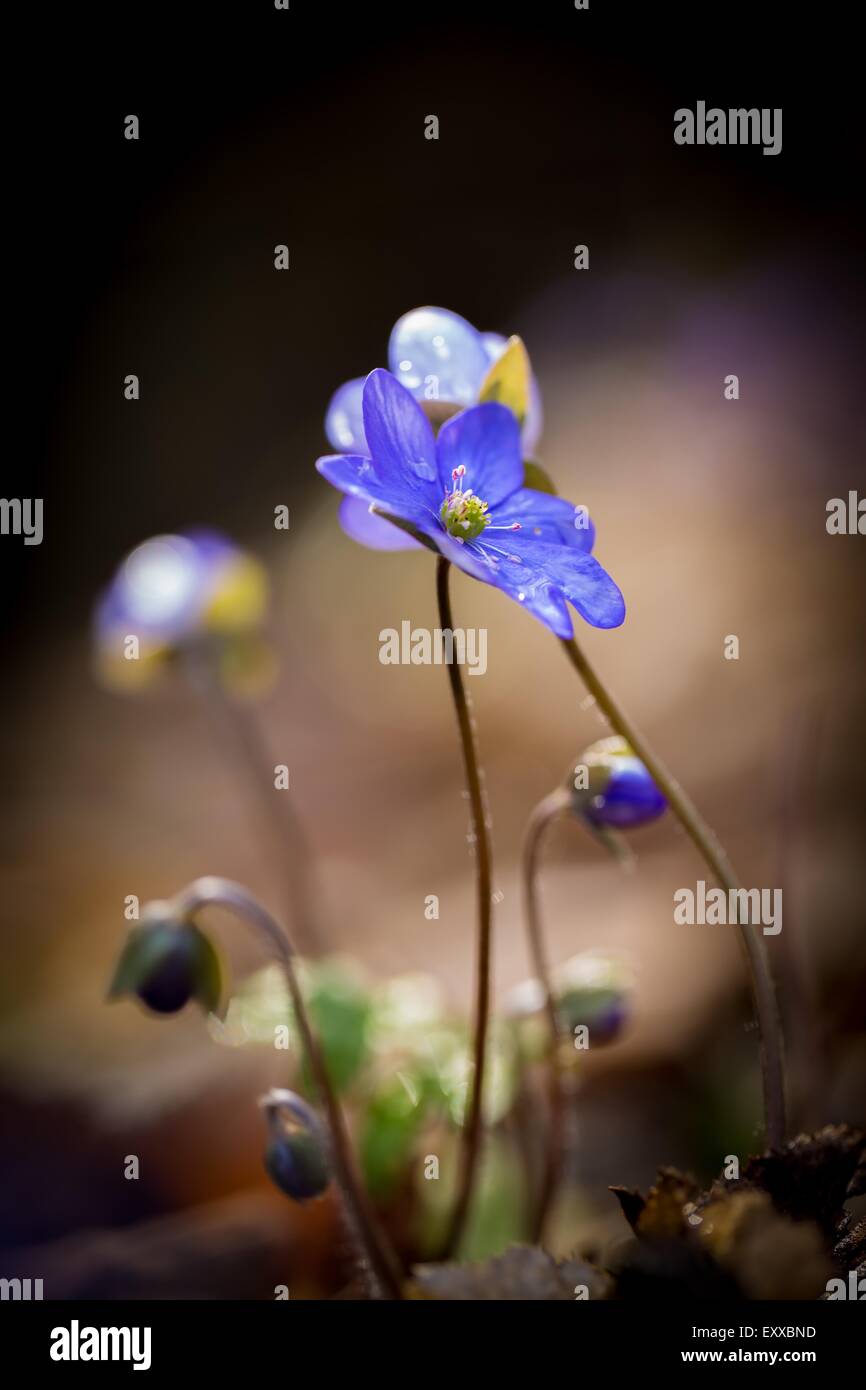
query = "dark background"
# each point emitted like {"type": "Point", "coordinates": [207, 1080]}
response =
{"type": "Point", "coordinates": [303, 126]}
{"type": "Point", "coordinates": [156, 257]}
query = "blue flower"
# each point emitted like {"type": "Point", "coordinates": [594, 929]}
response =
{"type": "Point", "coordinates": [171, 590]}
{"type": "Point", "coordinates": [620, 791]}
{"type": "Point", "coordinates": [437, 356]}
{"type": "Point", "coordinates": [463, 492]}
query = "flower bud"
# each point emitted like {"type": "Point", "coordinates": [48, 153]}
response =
{"type": "Point", "coordinates": [611, 787]}
{"type": "Point", "coordinates": [590, 990]}
{"type": "Point", "coordinates": [297, 1155]}
{"type": "Point", "coordinates": [165, 963]}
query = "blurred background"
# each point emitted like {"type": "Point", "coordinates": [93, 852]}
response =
{"type": "Point", "coordinates": [156, 258]}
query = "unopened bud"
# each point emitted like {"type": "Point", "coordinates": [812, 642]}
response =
{"type": "Point", "coordinates": [167, 962]}
{"type": "Point", "coordinates": [615, 790]}
{"type": "Point", "coordinates": [590, 990]}
{"type": "Point", "coordinates": [297, 1156]}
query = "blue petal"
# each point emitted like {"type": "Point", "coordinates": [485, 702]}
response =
{"type": "Point", "coordinates": [486, 441]}
{"type": "Point", "coordinates": [631, 797]}
{"type": "Point", "coordinates": [357, 476]}
{"type": "Point", "coordinates": [547, 518]}
{"type": "Point", "coordinates": [579, 576]}
{"type": "Point", "coordinates": [464, 556]}
{"type": "Point", "coordinates": [400, 439]}
{"type": "Point", "coordinates": [534, 592]}
{"type": "Point", "coordinates": [494, 345]}
{"type": "Point", "coordinates": [438, 354]}
{"type": "Point", "coordinates": [162, 585]}
{"type": "Point", "coordinates": [539, 597]}
{"type": "Point", "coordinates": [373, 531]}
{"type": "Point", "coordinates": [344, 418]}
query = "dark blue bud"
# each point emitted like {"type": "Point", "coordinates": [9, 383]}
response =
{"type": "Point", "coordinates": [166, 962]}
{"type": "Point", "coordinates": [612, 788]}
{"type": "Point", "coordinates": [170, 983]}
{"type": "Point", "coordinates": [297, 1156]}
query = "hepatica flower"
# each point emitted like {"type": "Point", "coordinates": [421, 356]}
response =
{"type": "Point", "coordinates": [437, 356]}
{"type": "Point", "coordinates": [444, 363]}
{"type": "Point", "coordinates": [174, 590]}
{"type": "Point", "coordinates": [462, 493]}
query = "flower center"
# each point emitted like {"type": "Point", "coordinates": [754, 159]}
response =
{"type": "Point", "coordinates": [462, 513]}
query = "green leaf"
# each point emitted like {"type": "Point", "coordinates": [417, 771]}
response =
{"type": "Point", "coordinates": [209, 975]}
{"type": "Point", "coordinates": [496, 1216]}
{"type": "Point", "coordinates": [534, 476]}
{"type": "Point", "coordinates": [508, 378]}
{"type": "Point", "coordinates": [143, 950]}
{"type": "Point", "coordinates": [340, 1014]}
{"type": "Point", "coordinates": [391, 1124]}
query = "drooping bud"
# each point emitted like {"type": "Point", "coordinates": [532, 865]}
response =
{"type": "Point", "coordinates": [167, 962]}
{"type": "Point", "coordinates": [612, 788]}
{"type": "Point", "coordinates": [591, 991]}
{"type": "Point", "coordinates": [297, 1156]}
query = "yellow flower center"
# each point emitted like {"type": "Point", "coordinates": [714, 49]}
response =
{"type": "Point", "coordinates": [462, 513]}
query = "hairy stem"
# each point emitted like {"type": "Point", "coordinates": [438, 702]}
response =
{"type": "Point", "coordinates": [717, 861]}
{"type": "Point", "coordinates": [471, 1136]}
{"type": "Point", "coordinates": [545, 812]}
{"type": "Point", "coordinates": [291, 850]}
{"type": "Point", "coordinates": [375, 1250]}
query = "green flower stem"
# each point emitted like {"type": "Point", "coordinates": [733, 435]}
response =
{"type": "Point", "coordinates": [717, 861]}
{"type": "Point", "coordinates": [471, 1135]}
{"type": "Point", "coordinates": [547, 810]}
{"type": "Point", "coordinates": [374, 1250]}
{"type": "Point", "coordinates": [243, 737]}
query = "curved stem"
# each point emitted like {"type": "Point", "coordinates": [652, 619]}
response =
{"type": "Point", "coordinates": [717, 861]}
{"type": "Point", "coordinates": [222, 892]}
{"type": "Point", "coordinates": [291, 848]}
{"type": "Point", "coordinates": [808, 1038]}
{"type": "Point", "coordinates": [545, 812]}
{"type": "Point", "coordinates": [471, 1136]}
